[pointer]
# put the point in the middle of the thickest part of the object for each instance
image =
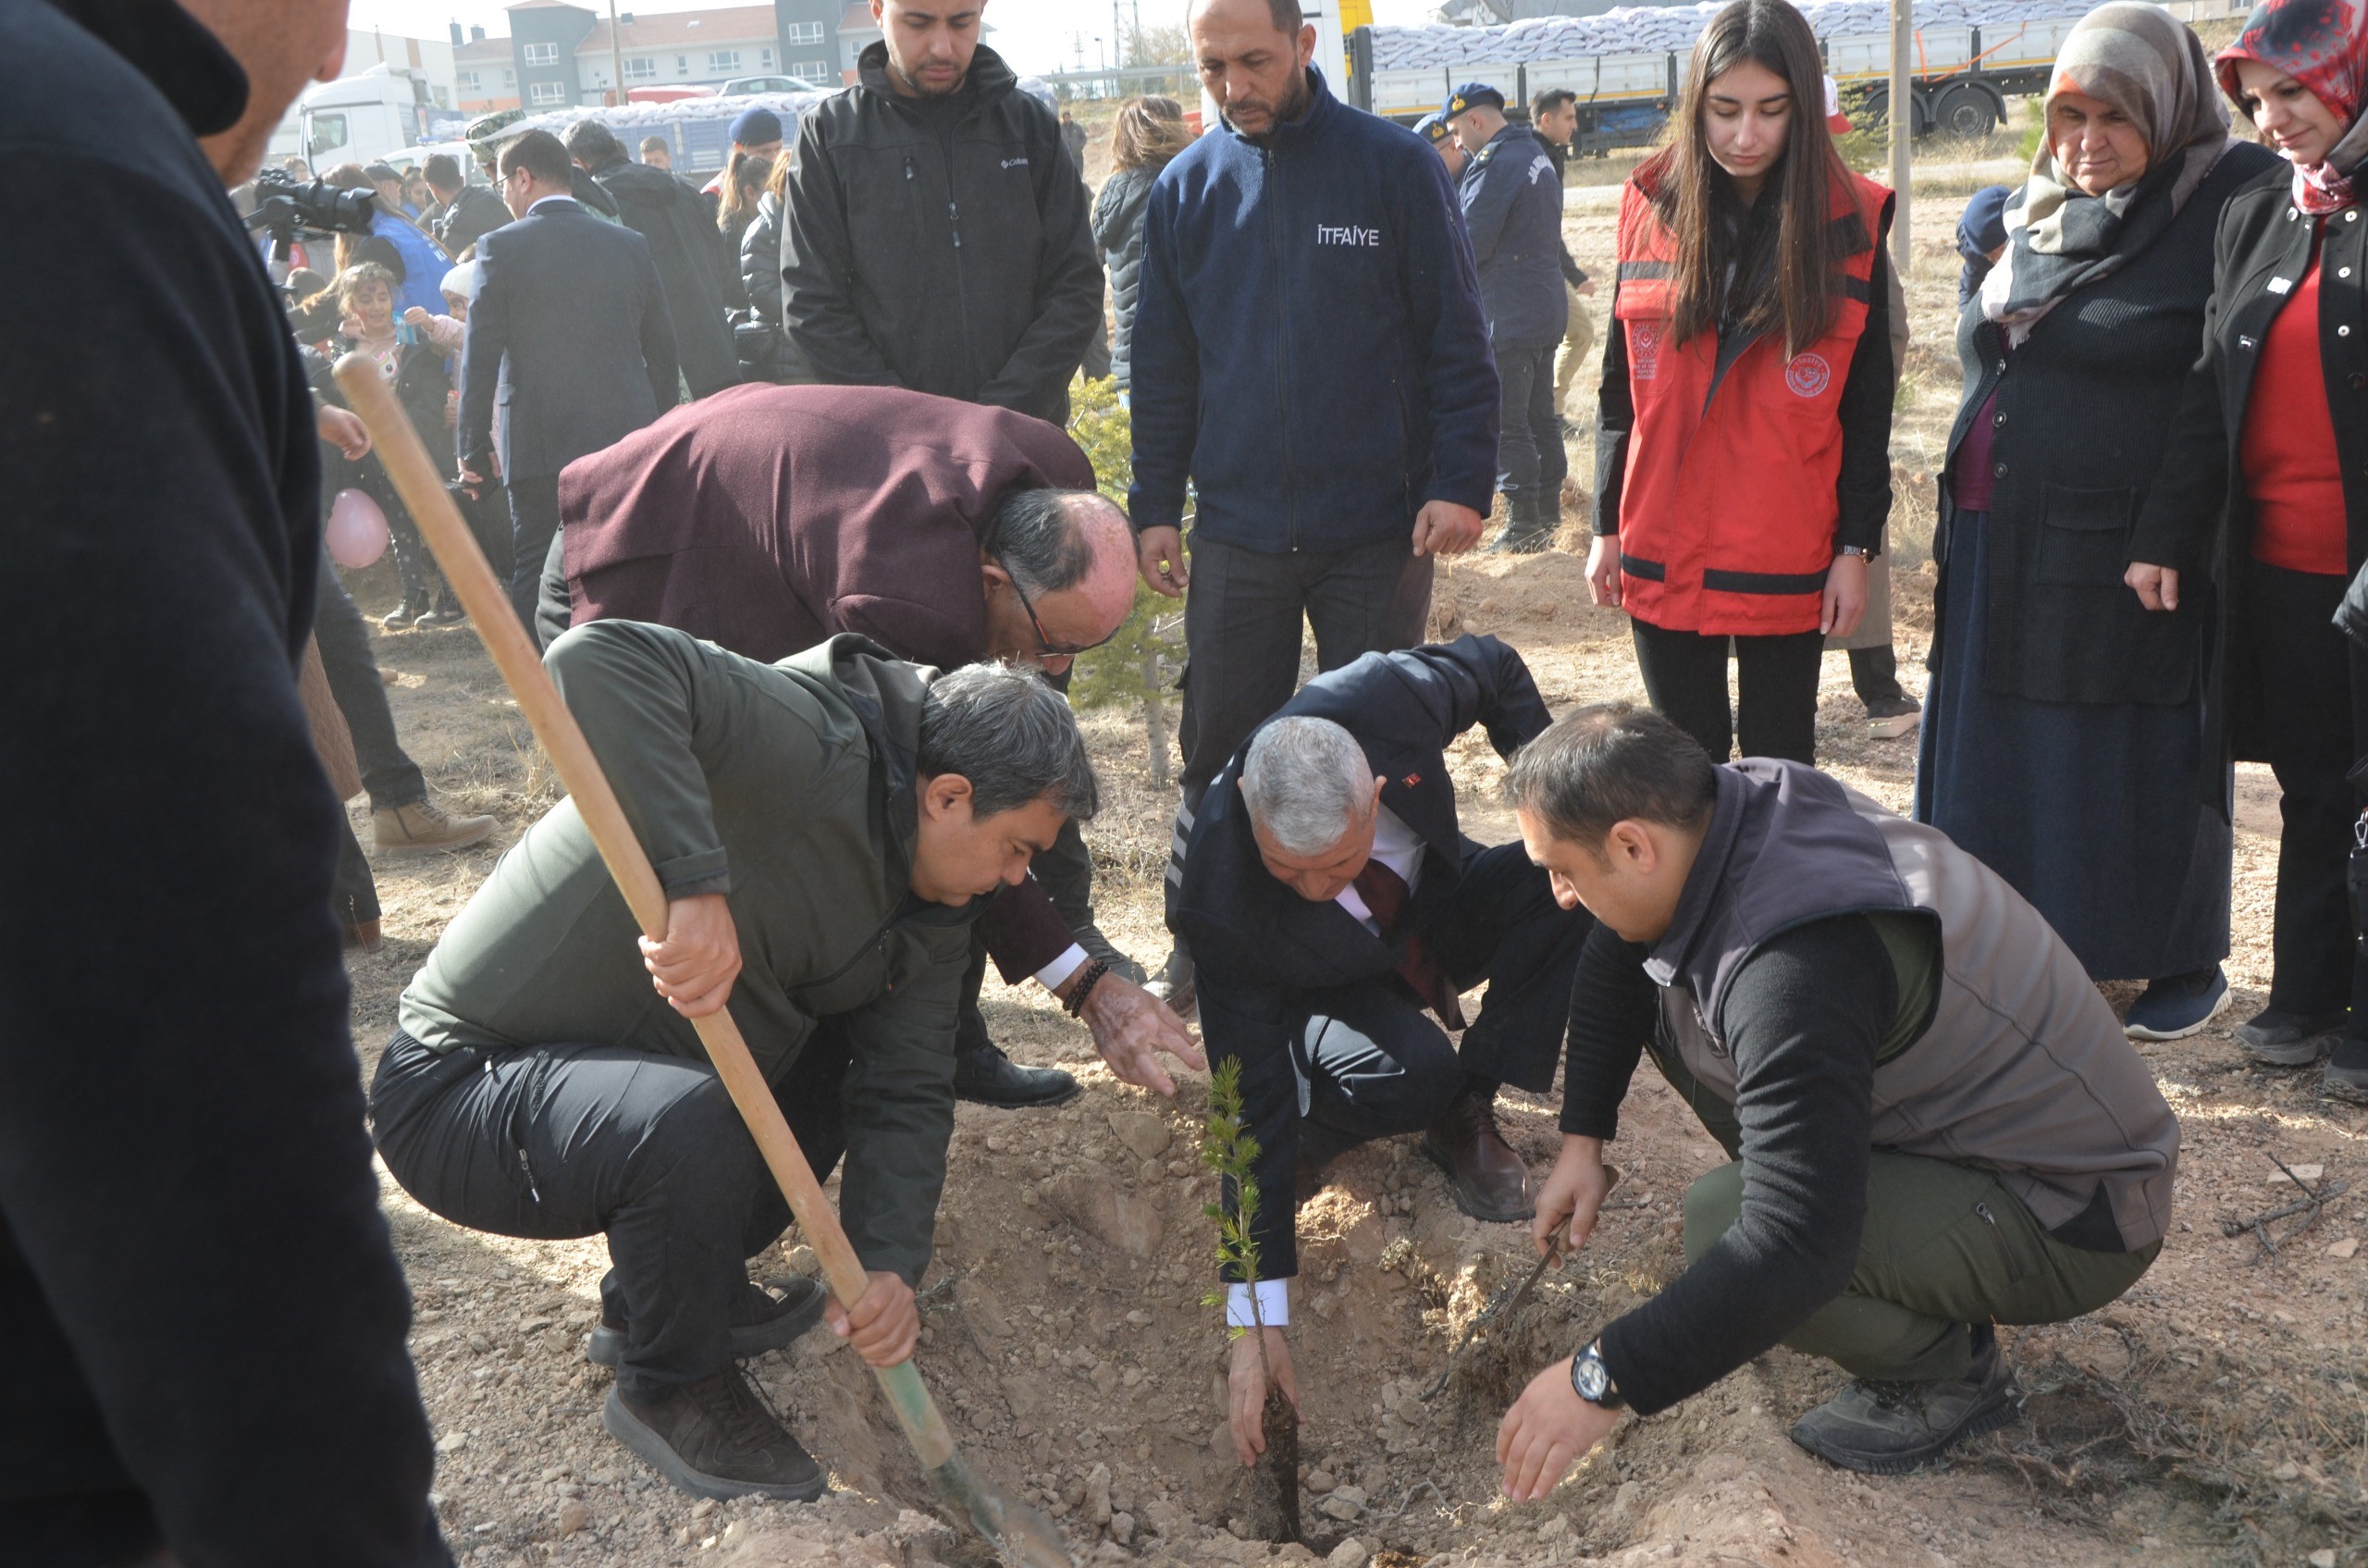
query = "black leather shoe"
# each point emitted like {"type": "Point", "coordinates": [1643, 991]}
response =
{"type": "Point", "coordinates": [1489, 1180]}
{"type": "Point", "coordinates": [713, 1438]}
{"type": "Point", "coordinates": [761, 1321]}
{"type": "Point", "coordinates": [984, 1076]}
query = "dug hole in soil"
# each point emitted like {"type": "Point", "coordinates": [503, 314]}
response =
{"type": "Point", "coordinates": [2218, 1414]}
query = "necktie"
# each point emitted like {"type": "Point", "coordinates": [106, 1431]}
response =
{"type": "Point", "coordinates": [1385, 893]}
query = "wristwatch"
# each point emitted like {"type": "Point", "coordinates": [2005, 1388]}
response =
{"type": "Point", "coordinates": [1861, 552]}
{"type": "Point", "coordinates": [1591, 1380]}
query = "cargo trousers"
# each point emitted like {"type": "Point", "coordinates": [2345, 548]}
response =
{"type": "Point", "coordinates": [1946, 1246]}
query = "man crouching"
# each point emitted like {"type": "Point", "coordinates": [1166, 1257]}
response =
{"type": "Point", "coordinates": [837, 818]}
{"type": "Point", "coordinates": [1934, 1122]}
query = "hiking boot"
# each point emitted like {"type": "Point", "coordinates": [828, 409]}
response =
{"type": "Point", "coordinates": [1489, 1178]}
{"type": "Point", "coordinates": [423, 824]}
{"type": "Point", "coordinates": [1889, 1428]}
{"type": "Point", "coordinates": [760, 1321]}
{"type": "Point", "coordinates": [1089, 936]}
{"type": "Point", "coordinates": [448, 612]}
{"type": "Point", "coordinates": [2289, 1040]}
{"type": "Point", "coordinates": [2177, 1005]}
{"type": "Point", "coordinates": [984, 1076]}
{"type": "Point", "coordinates": [1889, 718]}
{"type": "Point", "coordinates": [1174, 984]}
{"type": "Point", "coordinates": [2346, 1074]}
{"type": "Point", "coordinates": [713, 1438]}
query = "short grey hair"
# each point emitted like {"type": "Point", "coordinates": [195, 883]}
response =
{"type": "Point", "coordinates": [1037, 535]}
{"type": "Point", "coordinates": [1012, 735]}
{"type": "Point", "coordinates": [1306, 783]}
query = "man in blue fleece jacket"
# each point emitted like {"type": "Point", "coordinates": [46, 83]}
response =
{"type": "Point", "coordinates": [1310, 358]}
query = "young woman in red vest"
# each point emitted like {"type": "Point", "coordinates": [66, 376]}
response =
{"type": "Point", "coordinates": [1743, 446]}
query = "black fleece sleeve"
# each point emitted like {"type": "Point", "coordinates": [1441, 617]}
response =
{"type": "Point", "coordinates": [1615, 417]}
{"type": "Point", "coordinates": [1614, 1006]}
{"type": "Point", "coordinates": [1804, 1018]}
{"type": "Point", "coordinates": [1864, 487]}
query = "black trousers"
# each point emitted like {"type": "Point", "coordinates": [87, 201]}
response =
{"type": "Point", "coordinates": [534, 519]}
{"type": "Point", "coordinates": [1685, 676]}
{"type": "Point", "coordinates": [1374, 1060]}
{"type": "Point", "coordinates": [1531, 462]}
{"type": "Point", "coordinates": [556, 1141]}
{"type": "Point", "coordinates": [2309, 683]}
{"type": "Point", "coordinates": [1067, 872]}
{"type": "Point", "coordinates": [387, 771]}
{"type": "Point", "coordinates": [1242, 621]}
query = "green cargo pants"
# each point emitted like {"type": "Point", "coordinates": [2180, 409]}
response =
{"type": "Point", "coordinates": [1946, 1246]}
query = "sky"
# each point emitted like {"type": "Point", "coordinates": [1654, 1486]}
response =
{"type": "Point", "coordinates": [1034, 35]}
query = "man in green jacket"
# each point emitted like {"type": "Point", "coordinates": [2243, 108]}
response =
{"type": "Point", "coordinates": [838, 818]}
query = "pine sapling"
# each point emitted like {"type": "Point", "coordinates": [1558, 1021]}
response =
{"type": "Point", "coordinates": [1227, 1148]}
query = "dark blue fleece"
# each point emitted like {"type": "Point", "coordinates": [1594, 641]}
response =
{"type": "Point", "coordinates": [1308, 350]}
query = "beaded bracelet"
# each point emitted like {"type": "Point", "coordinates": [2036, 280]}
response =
{"type": "Point", "coordinates": [1094, 970]}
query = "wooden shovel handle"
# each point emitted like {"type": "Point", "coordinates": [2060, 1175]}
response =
{"type": "Point", "coordinates": [422, 489]}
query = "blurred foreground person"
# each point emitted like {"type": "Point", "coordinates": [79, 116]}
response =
{"type": "Point", "coordinates": [1932, 1119]}
{"type": "Point", "coordinates": [204, 1317]}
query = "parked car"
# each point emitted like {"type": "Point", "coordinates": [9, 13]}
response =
{"type": "Point", "coordinates": [741, 86]}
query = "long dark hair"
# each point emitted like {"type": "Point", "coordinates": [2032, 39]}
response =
{"type": "Point", "coordinates": [1788, 279]}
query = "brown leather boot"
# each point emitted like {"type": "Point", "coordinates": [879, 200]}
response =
{"type": "Point", "coordinates": [712, 1439]}
{"type": "Point", "coordinates": [1489, 1180]}
{"type": "Point", "coordinates": [423, 824]}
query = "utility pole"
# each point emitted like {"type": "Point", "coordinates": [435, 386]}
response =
{"type": "Point", "coordinates": [616, 53]}
{"type": "Point", "coordinates": [1903, 122]}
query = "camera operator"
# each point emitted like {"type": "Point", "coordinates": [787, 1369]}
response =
{"type": "Point", "coordinates": [205, 1319]}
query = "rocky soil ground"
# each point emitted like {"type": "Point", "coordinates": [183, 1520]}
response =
{"type": "Point", "coordinates": [2218, 1414]}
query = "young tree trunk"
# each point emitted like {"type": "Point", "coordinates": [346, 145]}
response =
{"type": "Point", "coordinates": [1281, 1421]}
{"type": "Point", "coordinates": [1154, 719]}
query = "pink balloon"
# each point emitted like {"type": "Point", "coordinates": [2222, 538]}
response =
{"type": "Point", "coordinates": [357, 530]}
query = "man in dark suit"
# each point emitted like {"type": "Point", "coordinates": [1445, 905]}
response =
{"type": "Point", "coordinates": [1331, 899]}
{"type": "Point", "coordinates": [570, 323]}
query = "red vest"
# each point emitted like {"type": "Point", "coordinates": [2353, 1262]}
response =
{"type": "Point", "coordinates": [1728, 510]}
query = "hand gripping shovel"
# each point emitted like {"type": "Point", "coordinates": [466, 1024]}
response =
{"type": "Point", "coordinates": [1025, 1538]}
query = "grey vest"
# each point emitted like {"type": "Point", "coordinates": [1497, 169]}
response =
{"type": "Point", "coordinates": [2023, 1069]}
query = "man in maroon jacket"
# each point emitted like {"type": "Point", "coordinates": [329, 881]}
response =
{"type": "Point", "coordinates": [768, 518]}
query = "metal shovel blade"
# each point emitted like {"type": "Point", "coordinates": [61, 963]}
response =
{"type": "Point", "coordinates": [1024, 1537]}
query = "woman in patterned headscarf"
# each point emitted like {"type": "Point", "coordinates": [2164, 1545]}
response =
{"type": "Point", "coordinates": [2262, 516]}
{"type": "Point", "coordinates": [2062, 739]}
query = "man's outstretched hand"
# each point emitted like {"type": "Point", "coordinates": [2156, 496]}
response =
{"type": "Point", "coordinates": [1547, 1431]}
{"type": "Point", "coordinates": [1131, 1027]}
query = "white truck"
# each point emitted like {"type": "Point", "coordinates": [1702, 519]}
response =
{"type": "Point", "coordinates": [360, 119]}
{"type": "Point", "coordinates": [1627, 66]}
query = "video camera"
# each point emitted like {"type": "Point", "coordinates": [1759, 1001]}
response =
{"type": "Point", "coordinates": [314, 210]}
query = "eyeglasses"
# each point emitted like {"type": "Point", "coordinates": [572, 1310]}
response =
{"type": "Point", "coordinates": [1044, 646]}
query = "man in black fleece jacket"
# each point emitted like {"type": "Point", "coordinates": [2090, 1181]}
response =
{"type": "Point", "coordinates": [203, 1315]}
{"type": "Point", "coordinates": [1933, 1120]}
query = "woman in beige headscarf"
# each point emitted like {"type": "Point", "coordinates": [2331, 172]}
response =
{"type": "Point", "coordinates": [2061, 734]}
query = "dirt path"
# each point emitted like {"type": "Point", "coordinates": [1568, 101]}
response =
{"type": "Point", "coordinates": [2218, 1413]}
